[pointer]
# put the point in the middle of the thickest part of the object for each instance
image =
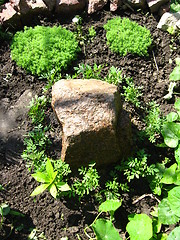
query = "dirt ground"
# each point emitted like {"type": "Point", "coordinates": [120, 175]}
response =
{"type": "Point", "coordinates": [68, 217]}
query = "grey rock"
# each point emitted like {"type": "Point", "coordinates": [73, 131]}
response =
{"type": "Point", "coordinates": [93, 124]}
{"type": "Point", "coordinates": [69, 6]}
{"type": "Point", "coordinates": [169, 20]}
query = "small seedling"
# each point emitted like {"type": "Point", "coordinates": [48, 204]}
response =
{"type": "Point", "coordinates": [132, 93]}
{"type": "Point", "coordinates": [88, 72]}
{"type": "Point", "coordinates": [114, 76]}
{"type": "Point", "coordinates": [91, 32]}
{"type": "Point", "coordinates": [89, 182]}
{"type": "Point", "coordinates": [49, 181]}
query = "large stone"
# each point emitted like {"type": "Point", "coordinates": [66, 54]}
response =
{"type": "Point", "coordinates": [169, 20]}
{"type": "Point", "coordinates": [94, 126]}
{"type": "Point", "coordinates": [70, 6]}
{"type": "Point", "coordinates": [154, 5]}
{"type": "Point", "coordinates": [9, 16]}
{"type": "Point", "coordinates": [96, 5]}
{"type": "Point", "coordinates": [31, 6]}
{"type": "Point", "coordinates": [114, 4]}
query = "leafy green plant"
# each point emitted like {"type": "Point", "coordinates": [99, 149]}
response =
{"type": "Point", "coordinates": [91, 32]}
{"type": "Point", "coordinates": [81, 38]}
{"type": "Point", "coordinates": [104, 228]}
{"type": "Point", "coordinates": [175, 75]}
{"type": "Point", "coordinates": [88, 72]}
{"type": "Point", "coordinates": [36, 109]}
{"type": "Point", "coordinates": [49, 181]}
{"type": "Point", "coordinates": [125, 36]}
{"type": "Point", "coordinates": [175, 6]}
{"type": "Point", "coordinates": [36, 235]}
{"type": "Point", "coordinates": [6, 210]}
{"type": "Point", "coordinates": [132, 93]}
{"type": "Point", "coordinates": [136, 167]}
{"type": "Point", "coordinates": [153, 121]}
{"type": "Point", "coordinates": [42, 49]}
{"type": "Point", "coordinates": [114, 76]}
{"type": "Point", "coordinates": [89, 181]}
{"type": "Point", "coordinates": [139, 227]}
{"type": "Point", "coordinates": [51, 77]}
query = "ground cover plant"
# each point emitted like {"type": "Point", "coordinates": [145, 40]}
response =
{"type": "Point", "coordinates": [42, 49]}
{"type": "Point", "coordinates": [99, 203]}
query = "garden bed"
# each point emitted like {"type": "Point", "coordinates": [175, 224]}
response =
{"type": "Point", "coordinates": [67, 217]}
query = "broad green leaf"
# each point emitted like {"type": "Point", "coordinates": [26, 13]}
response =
{"type": "Point", "coordinates": [177, 155]}
{"type": "Point", "coordinates": [4, 209]}
{"type": "Point", "coordinates": [169, 176]}
{"type": "Point", "coordinates": [139, 227]}
{"type": "Point", "coordinates": [177, 60]}
{"type": "Point", "coordinates": [39, 189]}
{"type": "Point", "coordinates": [41, 177]}
{"type": "Point", "coordinates": [175, 75]}
{"type": "Point", "coordinates": [177, 104]}
{"type": "Point", "coordinates": [156, 225]}
{"type": "Point", "coordinates": [171, 134]}
{"type": "Point", "coordinates": [177, 182]}
{"type": "Point", "coordinates": [62, 186]}
{"type": "Point", "coordinates": [53, 190]}
{"type": "Point", "coordinates": [105, 230]}
{"type": "Point", "coordinates": [172, 116]}
{"type": "Point", "coordinates": [175, 234]}
{"type": "Point", "coordinates": [109, 205]}
{"type": "Point", "coordinates": [49, 168]}
{"type": "Point", "coordinates": [165, 214]}
{"type": "Point", "coordinates": [174, 200]}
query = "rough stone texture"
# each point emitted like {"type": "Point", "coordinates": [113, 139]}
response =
{"type": "Point", "coordinates": [10, 117]}
{"type": "Point", "coordinates": [164, 8]}
{"type": "Point", "coordinates": [114, 4]}
{"type": "Point", "coordinates": [141, 4]}
{"type": "Point", "coordinates": [69, 6]}
{"type": "Point", "coordinates": [35, 6]}
{"type": "Point", "coordinates": [51, 4]}
{"type": "Point", "coordinates": [9, 16]}
{"type": "Point", "coordinates": [89, 112]}
{"type": "Point", "coordinates": [154, 5]}
{"type": "Point", "coordinates": [169, 20]}
{"type": "Point", "coordinates": [95, 5]}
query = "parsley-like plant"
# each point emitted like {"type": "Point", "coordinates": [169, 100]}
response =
{"type": "Point", "coordinates": [42, 49]}
{"type": "Point", "coordinates": [125, 36]}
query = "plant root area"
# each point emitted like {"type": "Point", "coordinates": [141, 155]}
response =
{"type": "Point", "coordinates": [67, 217]}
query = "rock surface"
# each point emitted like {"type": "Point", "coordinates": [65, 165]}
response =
{"type": "Point", "coordinates": [169, 20]}
{"type": "Point", "coordinates": [70, 6]}
{"type": "Point", "coordinates": [154, 5]}
{"type": "Point", "coordinates": [114, 4]}
{"type": "Point", "coordinates": [89, 112]}
{"type": "Point", "coordinates": [95, 5]}
{"type": "Point", "coordinates": [141, 4]}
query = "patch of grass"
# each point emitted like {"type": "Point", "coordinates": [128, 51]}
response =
{"type": "Point", "coordinates": [42, 49]}
{"type": "Point", "coordinates": [125, 36]}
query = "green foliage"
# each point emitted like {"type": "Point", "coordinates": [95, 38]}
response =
{"type": "Point", "coordinates": [89, 181]}
{"type": "Point", "coordinates": [2, 2]}
{"type": "Point", "coordinates": [175, 6]}
{"type": "Point", "coordinates": [49, 181]}
{"type": "Point", "coordinates": [91, 32]}
{"type": "Point", "coordinates": [42, 49]}
{"type": "Point", "coordinates": [174, 235]}
{"type": "Point", "coordinates": [104, 228]}
{"type": "Point", "coordinates": [171, 128]}
{"type": "Point", "coordinates": [125, 36]}
{"type": "Point", "coordinates": [88, 72]}
{"type": "Point", "coordinates": [136, 167]}
{"type": "Point", "coordinates": [139, 227]}
{"type": "Point", "coordinates": [6, 210]}
{"type": "Point", "coordinates": [114, 76]}
{"type": "Point", "coordinates": [153, 121]}
{"type": "Point", "coordinates": [175, 75]}
{"type": "Point", "coordinates": [169, 208]}
{"type": "Point", "coordinates": [132, 93]}
{"type": "Point", "coordinates": [36, 109]}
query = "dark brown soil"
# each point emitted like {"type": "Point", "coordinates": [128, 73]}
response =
{"type": "Point", "coordinates": [68, 217]}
